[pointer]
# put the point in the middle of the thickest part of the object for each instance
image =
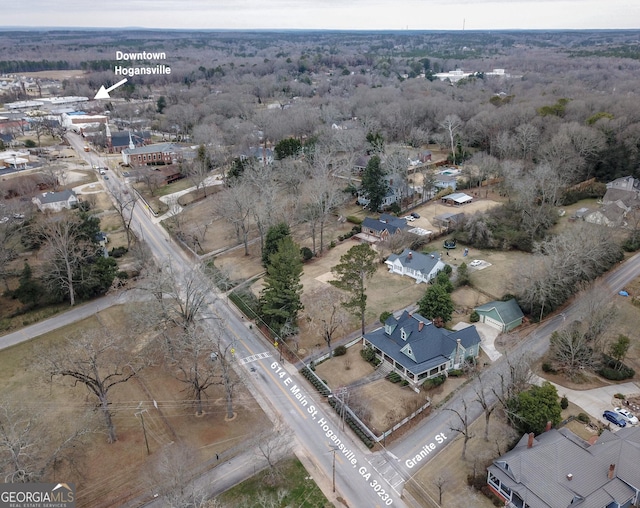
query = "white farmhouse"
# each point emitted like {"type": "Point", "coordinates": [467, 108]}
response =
{"type": "Point", "coordinates": [421, 267]}
{"type": "Point", "coordinates": [56, 201]}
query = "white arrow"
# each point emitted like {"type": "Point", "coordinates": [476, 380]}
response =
{"type": "Point", "coordinates": [103, 93]}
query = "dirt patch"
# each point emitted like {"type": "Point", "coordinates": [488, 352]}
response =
{"type": "Point", "coordinates": [344, 370]}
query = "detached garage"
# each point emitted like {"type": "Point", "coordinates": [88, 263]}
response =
{"type": "Point", "coordinates": [503, 316]}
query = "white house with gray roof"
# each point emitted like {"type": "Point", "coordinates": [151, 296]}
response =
{"type": "Point", "coordinates": [55, 201]}
{"type": "Point", "coordinates": [417, 349]}
{"type": "Point", "coordinates": [421, 267]}
{"type": "Point", "coordinates": [557, 469]}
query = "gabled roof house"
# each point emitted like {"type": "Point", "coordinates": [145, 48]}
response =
{"type": "Point", "coordinates": [421, 267]}
{"type": "Point", "coordinates": [383, 227]}
{"type": "Point", "coordinates": [504, 316]}
{"type": "Point", "coordinates": [418, 350]}
{"type": "Point", "coordinates": [557, 469]}
{"type": "Point", "coordinates": [55, 201]}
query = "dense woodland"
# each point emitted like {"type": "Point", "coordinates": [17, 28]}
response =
{"type": "Point", "coordinates": [565, 111]}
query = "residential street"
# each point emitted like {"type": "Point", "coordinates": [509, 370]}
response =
{"type": "Point", "coordinates": [280, 389]}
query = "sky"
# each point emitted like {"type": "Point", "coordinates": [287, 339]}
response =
{"type": "Point", "coordinates": [327, 14]}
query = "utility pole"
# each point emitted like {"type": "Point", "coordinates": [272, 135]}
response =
{"type": "Point", "coordinates": [144, 429]}
{"type": "Point", "coordinates": [334, 470]}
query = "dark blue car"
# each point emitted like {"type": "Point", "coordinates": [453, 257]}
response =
{"type": "Point", "coordinates": [614, 418]}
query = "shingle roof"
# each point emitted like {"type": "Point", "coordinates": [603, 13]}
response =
{"type": "Point", "coordinates": [539, 474]}
{"type": "Point", "coordinates": [56, 197]}
{"type": "Point", "coordinates": [419, 347]}
{"type": "Point", "coordinates": [508, 311]}
{"type": "Point", "coordinates": [422, 263]}
{"type": "Point", "coordinates": [158, 147]}
{"type": "Point", "coordinates": [386, 221]}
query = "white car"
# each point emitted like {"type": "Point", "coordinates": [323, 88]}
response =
{"type": "Point", "coordinates": [409, 218]}
{"type": "Point", "coordinates": [475, 262]}
{"type": "Point", "coordinates": [627, 415]}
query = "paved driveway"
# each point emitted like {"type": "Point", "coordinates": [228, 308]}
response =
{"type": "Point", "coordinates": [488, 335]}
{"type": "Point", "coordinates": [594, 402]}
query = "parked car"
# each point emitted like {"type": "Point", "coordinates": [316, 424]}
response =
{"type": "Point", "coordinates": [627, 416]}
{"type": "Point", "coordinates": [475, 262]}
{"type": "Point", "coordinates": [409, 218]}
{"type": "Point", "coordinates": [415, 215]}
{"type": "Point", "coordinates": [614, 417]}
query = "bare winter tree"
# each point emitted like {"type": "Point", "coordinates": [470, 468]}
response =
{"type": "Point", "coordinates": [517, 378]}
{"type": "Point", "coordinates": [272, 445]}
{"type": "Point", "coordinates": [125, 201]}
{"type": "Point", "coordinates": [329, 315]}
{"type": "Point", "coordinates": [172, 477]}
{"type": "Point", "coordinates": [487, 406]}
{"type": "Point", "coordinates": [440, 482]}
{"type": "Point", "coordinates": [451, 125]}
{"type": "Point", "coordinates": [235, 204]}
{"type": "Point", "coordinates": [29, 449]}
{"type": "Point", "coordinates": [196, 354]}
{"type": "Point", "coordinates": [67, 248]}
{"type": "Point", "coordinates": [224, 361]}
{"type": "Point", "coordinates": [98, 360]}
{"type": "Point", "coordinates": [180, 294]}
{"type": "Point", "coordinates": [462, 427]}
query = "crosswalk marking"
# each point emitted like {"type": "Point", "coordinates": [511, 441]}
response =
{"type": "Point", "coordinates": [254, 358]}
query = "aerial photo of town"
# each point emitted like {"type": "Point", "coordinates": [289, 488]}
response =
{"type": "Point", "coordinates": [320, 254]}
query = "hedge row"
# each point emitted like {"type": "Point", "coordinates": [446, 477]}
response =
{"type": "Point", "coordinates": [394, 377]}
{"type": "Point", "coordinates": [355, 426]}
{"type": "Point", "coordinates": [313, 379]}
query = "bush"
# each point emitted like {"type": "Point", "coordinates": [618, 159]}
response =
{"type": "Point", "coordinates": [583, 417]}
{"type": "Point", "coordinates": [368, 354]}
{"type": "Point", "coordinates": [306, 253]}
{"type": "Point", "coordinates": [332, 244]}
{"type": "Point", "coordinates": [118, 252]}
{"type": "Point", "coordinates": [564, 402]}
{"type": "Point", "coordinates": [474, 317]}
{"type": "Point", "coordinates": [620, 396]}
{"type": "Point", "coordinates": [456, 373]}
{"type": "Point", "coordinates": [385, 315]}
{"type": "Point", "coordinates": [394, 377]}
{"type": "Point", "coordinates": [614, 370]}
{"type": "Point", "coordinates": [548, 368]}
{"type": "Point", "coordinates": [447, 269]}
{"type": "Point", "coordinates": [433, 382]}
{"type": "Point", "coordinates": [354, 220]}
{"type": "Point", "coordinates": [340, 351]}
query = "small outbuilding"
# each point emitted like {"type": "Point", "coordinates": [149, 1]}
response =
{"type": "Point", "coordinates": [504, 316]}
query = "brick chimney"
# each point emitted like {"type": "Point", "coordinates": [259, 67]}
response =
{"type": "Point", "coordinates": [410, 255]}
{"type": "Point", "coordinates": [612, 470]}
{"type": "Point", "coordinates": [548, 427]}
{"type": "Point", "coordinates": [420, 326]}
{"type": "Point", "coordinates": [530, 442]}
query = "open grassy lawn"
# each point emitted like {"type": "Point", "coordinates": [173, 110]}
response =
{"type": "Point", "coordinates": [293, 488]}
{"type": "Point", "coordinates": [110, 474]}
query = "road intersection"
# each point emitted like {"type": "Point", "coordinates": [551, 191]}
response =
{"type": "Point", "coordinates": [363, 479]}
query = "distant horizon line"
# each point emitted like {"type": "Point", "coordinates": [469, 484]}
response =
{"type": "Point", "coordinates": [376, 30]}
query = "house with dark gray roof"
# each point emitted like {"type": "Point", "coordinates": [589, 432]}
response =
{"type": "Point", "coordinates": [421, 267]}
{"type": "Point", "coordinates": [557, 469]}
{"type": "Point", "coordinates": [504, 316]}
{"type": "Point", "coordinates": [417, 349]}
{"type": "Point", "coordinates": [383, 227]}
